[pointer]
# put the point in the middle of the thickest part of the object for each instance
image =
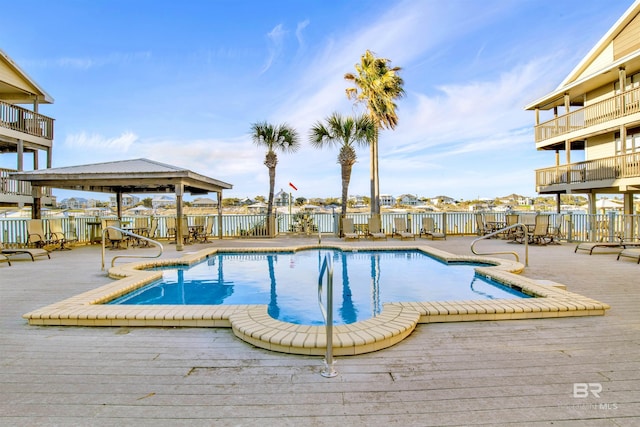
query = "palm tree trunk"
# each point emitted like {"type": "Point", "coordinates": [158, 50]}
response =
{"type": "Point", "coordinates": [375, 184]}
{"type": "Point", "coordinates": [346, 178]}
{"type": "Point", "coordinates": [272, 184]}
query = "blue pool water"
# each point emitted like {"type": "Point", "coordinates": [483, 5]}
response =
{"type": "Point", "coordinates": [288, 283]}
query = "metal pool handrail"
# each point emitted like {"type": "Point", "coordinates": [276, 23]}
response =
{"type": "Point", "coordinates": [327, 314]}
{"type": "Point", "coordinates": [495, 233]}
{"type": "Point", "coordinates": [137, 236]}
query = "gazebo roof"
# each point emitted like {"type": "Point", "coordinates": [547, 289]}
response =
{"type": "Point", "coordinates": [125, 176]}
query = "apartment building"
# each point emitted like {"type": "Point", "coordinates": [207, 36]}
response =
{"type": "Point", "coordinates": [25, 134]}
{"type": "Point", "coordinates": [594, 114]}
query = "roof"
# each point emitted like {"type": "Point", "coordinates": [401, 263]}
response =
{"type": "Point", "coordinates": [125, 176]}
{"type": "Point", "coordinates": [16, 86]}
{"type": "Point", "coordinates": [598, 67]}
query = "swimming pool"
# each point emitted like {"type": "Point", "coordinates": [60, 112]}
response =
{"type": "Point", "coordinates": [287, 283]}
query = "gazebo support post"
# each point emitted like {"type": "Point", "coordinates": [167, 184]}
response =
{"type": "Point", "coordinates": [36, 208]}
{"type": "Point", "coordinates": [179, 188]}
{"type": "Point", "coordinates": [119, 204]}
{"type": "Point", "coordinates": [219, 195]}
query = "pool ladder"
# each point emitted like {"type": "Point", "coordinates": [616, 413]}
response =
{"type": "Point", "coordinates": [327, 267]}
{"type": "Point", "coordinates": [502, 230]}
{"type": "Point", "coordinates": [129, 233]}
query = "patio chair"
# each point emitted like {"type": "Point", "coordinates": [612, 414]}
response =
{"type": "Point", "coordinates": [36, 235]}
{"type": "Point", "coordinates": [115, 237]}
{"type": "Point", "coordinates": [510, 219]}
{"type": "Point", "coordinates": [401, 229]}
{"type": "Point", "coordinates": [429, 229]}
{"type": "Point", "coordinates": [206, 231]}
{"type": "Point", "coordinates": [540, 233]}
{"type": "Point", "coordinates": [56, 234]}
{"type": "Point", "coordinates": [171, 228]}
{"type": "Point", "coordinates": [33, 253]}
{"type": "Point", "coordinates": [375, 229]}
{"type": "Point", "coordinates": [481, 227]}
{"type": "Point", "coordinates": [349, 230]}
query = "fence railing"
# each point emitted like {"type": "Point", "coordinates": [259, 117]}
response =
{"type": "Point", "coordinates": [574, 227]}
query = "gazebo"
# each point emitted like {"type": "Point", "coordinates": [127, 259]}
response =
{"type": "Point", "coordinates": [125, 176]}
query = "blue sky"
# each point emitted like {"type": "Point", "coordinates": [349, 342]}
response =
{"type": "Point", "coordinates": [182, 82]}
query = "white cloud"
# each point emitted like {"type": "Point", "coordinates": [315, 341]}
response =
{"type": "Point", "coordinates": [276, 40]}
{"type": "Point", "coordinates": [94, 141]}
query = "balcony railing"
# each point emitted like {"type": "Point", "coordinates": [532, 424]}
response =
{"type": "Point", "coordinates": [600, 112]}
{"type": "Point", "coordinates": [17, 188]}
{"type": "Point", "coordinates": [605, 169]}
{"type": "Point", "coordinates": [25, 121]}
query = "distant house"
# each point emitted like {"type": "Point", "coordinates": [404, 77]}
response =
{"type": "Point", "coordinates": [204, 202]}
{"type": "Point", "coordinates": [594, 114]}
{"type": "Point", "coordinates": [163, 201]}
{"type": "Point", "coordinates": [358, 201]}
{"type": "Point", "coordinates": [387, 200]}
{"type": "Point", "coordinates": [407, 200]}
{"type": "Point", "coordinates": [281, 198]}
{"type": "Point", "coordinates": [439, 200]}
{"type": "Point", "coordinates": [74, 203]}
{"type": "Point", "coordinates": [128, 201]}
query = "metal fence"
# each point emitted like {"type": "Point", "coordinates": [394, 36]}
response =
{"type": "Point", "coordinates": [573, 227]}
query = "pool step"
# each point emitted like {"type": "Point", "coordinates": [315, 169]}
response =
{"type": "Point", "coordinates": [256, 327]}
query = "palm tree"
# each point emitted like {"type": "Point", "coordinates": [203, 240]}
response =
{"type": "Point", "coordinates": [377, 85]}
{"type": "Point", "coordinates": [344, 132]}
{"type": "Point", "coordinates": [275, 138]}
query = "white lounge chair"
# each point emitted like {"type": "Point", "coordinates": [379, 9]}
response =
{"type": "Point", "coordinates": [400, 228]}
{"type": "Point", "coordinates": [349, 230]}
{"type": "Point", "coordinates": [33, 253]}
{"type": "Point", "coordinates": [375, 229]}
{"type": "Point", "coordinates": [429, 229]}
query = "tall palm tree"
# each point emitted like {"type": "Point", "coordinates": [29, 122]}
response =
{"type": "Point", "coordinates": [377, 85]}
{"type": "Point", "coordinates": [275, 138]}
{"type": "Point", "coordinates": [344, 132]}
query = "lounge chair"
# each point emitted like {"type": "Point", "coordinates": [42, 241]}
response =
{"type": "Point", "coordinates": [33, 253]}
{"type": "Point", "coordinates": [630, 253]}
{"type": "Point", "coordinates": [349, 230]}
{"type": "Point", "coordinates": [375, 229]}
{"type": "Point", "coordinates": [619, 243]}
{"type": "Point", "coordinates": [429, 229]}
{"type": "Point", "coordinates": [401, 229]}
{"type": "Point", "coordinates": [4, 258]}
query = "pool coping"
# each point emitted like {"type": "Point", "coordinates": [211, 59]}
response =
{"type": "Point", "coordinates": [253, 324]}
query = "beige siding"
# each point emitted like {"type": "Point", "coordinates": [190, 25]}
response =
{"type": "Point", "coordinates": [601, 61]}
{"type": "Point", "coordinates": [599, 94]}
{"type": "Point", "coordinates": [8, 75]}
{"type": "Point", "coordinates": [628, 40]}
{"type": "Point", "coordinates": [599, 146]}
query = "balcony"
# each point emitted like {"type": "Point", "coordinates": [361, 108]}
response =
{"type": "Point", "coordinates": [23, 121]}
{"type": "Point", "coordinates": [618, 106]}
{"type": "Point", "coordinates": [13, 191]}
{"type": "Point", "coordinates": [606, 172]}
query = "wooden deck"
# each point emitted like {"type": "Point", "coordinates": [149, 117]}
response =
{"type": "Point", "coordinates": [519, 372]}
